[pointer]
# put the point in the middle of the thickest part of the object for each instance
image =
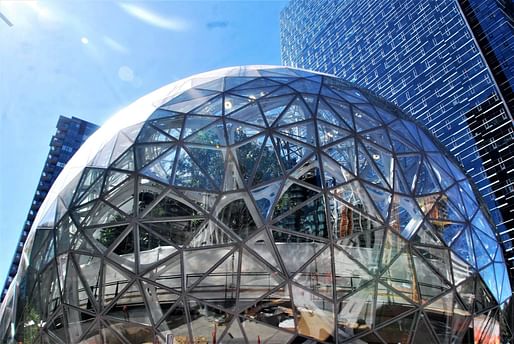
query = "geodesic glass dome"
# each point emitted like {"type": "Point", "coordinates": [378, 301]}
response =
{"type": "Point", "coordinates": [262, 205]}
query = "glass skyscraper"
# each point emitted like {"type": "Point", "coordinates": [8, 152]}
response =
{"type": "Point", "coordinates": [70, 135]}
{"type": "Point", "coordinates": [450, 64]}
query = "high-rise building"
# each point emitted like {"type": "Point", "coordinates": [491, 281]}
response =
{"type": "Point", "coordinates": [70, 135]}
{"type": "Point", "coordinates": [450, 64]}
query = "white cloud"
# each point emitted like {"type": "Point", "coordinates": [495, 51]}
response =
{"type": "Point", "coordinates": [154, 19]}
{"type": "Point", "coordinates": [114, 45]}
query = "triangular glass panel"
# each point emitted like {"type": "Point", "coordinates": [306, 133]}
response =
{"type": "Point", "coordinates": [363, 121]}
{"type": "Point", "coordinates": [308, 219]}
{"type": "Point", "coordinates": [481, 255]}
{"type": "Point", "coordinates": [335, 174]}
{"type": "Point", "coordinates": [211, 161]}
{"type": "Point", "coordinates": [213, 135]}
{"type": "Point", "coordinates": [426, 236]}
{"type": "Point", "coordinates": [199, 263]}
{"type": "Point", "coordinates": [104, 237]}
{"type": "Point", "coordinates": [238, 216]}
{"type": "Point", "coordinates": [269, 166]}
{"type": "Point", "coordinates": [247, 156]}
{"type": "Point", "coordinates": [194, 123]}
{"type": "Point", "coordinates": [175, 323]}
{"type": "Point", "coordinates": [303, 132]}
{"type": "Point", "coordinates": [265, 197]}
{"type": "Point", "coordinates": [90, 178]}
{"type": "Point", "coordinates": [238, 132]}
{"type": "Point", "coordinates": [146, 153]}
{"type": "Point", "coordinates": [75, 293]}
{"type": "Point", "coordinates": [305, 86]}
{"type": "Point", "coordinates": [409, 165]}
{"type": "Point", "coordinates": [438, 259]}
{"type": "Point", "coordinates": [345, 154]}
{"type": "Point", "coordinates": [189, 100]}
{"type": "Point", "coordinates": [124, 251]}
{"type": "Point", "coordinates": [425, 181]}
{"type": "Point", "coordinates": [381, 198]}
{"type": "Point", "coordinates": [250, 114]}
{"type": "Point", "coordinates": [342, 109]}
{"type": "Point", "coordinates": [326, 113]}
{"type": "Point", "coordinates": [328, 133]}
{"type": "Point", "coordinates": [213, 107]}
{"type": "Point", "coordinates": [165, 207]}
{"type": "Point", "coordinates": [167, 274]}
{"type": "Point", "coordinates": [430, 284]}
{"type": "Point", "coordinates": [171, 126]}
{"type": "Point", "coordinates": [296, 111]}
{"type": "Point", "coordinates": [449, 231]}
{"type": "Point", "coordinates": [399, 331]}
{"type": "Point", "coordinates": [265, 249]}
{"type": "Point", "coordinates": [357, 309]}
{"type": "Point", "coordinates": [400, 276]}
{"type": "Point", "coordinates": [218, 284]}
{"type": "Point", "coordinates": [290, 246]}
{"type": "Point", "coordinates": [114, 179]}
{"type": "Point", "coordinates": [188, 174]}
{"type": "Point", "coordinates": [390, 305]}
{"type": "Point", "coordinates": [464, 248]}
{"type": "Point", "coordinates": [78, 323]}
{"type": "Point", "coordinates": [461, 269]}
{"type": "Point", "coordinates": [159, 299]}
{"type": "Point", "coordinates": [256, 277]}
{"type": "Point", "coordinates": [406, 217]}
{"type": "Point", "coordinates": [56, 327]}
{"type": "Point", "coordinates": [253, 93]}
{"type": "Point", "coordinates": [423, 333]}
{"type": "Point", "coordinates": [382, 161]}
{"type": "Point", "coordinates": [311, 101]}
{"type": "Point", "coordinates": [241, 82]}
{"type": "Point", "coordinates": [317, 275]}
{"type": "Point", "coordinates": [150, 134]}
{"type": "Point", "coordinates": [441, 173]}
{"type": "Point", "coordinates": [103, 214]}
{"type": "Point", "coordinates": [233, 103]}
{"type": "Point", "coordinates": [349, 275]}
{"type": "Point", "coordinates": [483, 297]}
{"type": "Point", "coordinates": [290, 153]}
{"type": "Point", "coordinates": [210, 234]}
{"type": "Point", "coordinates": [392, 247]}
{"type": "Point", "coordinates": [378, 137]}
{"type": "Point", "coordinates": [125, 161]}
{"type": "Point", "coordinates": [355, 197]}
{"type": "Point", "coordinates": [152, 248]}
{"type": "Point", "coordinates": [129, 306]}
{"type": "Point", "coordinates": [364, 247]}
{"type": "Point", "coordinates": [439, 209]}
{"type": "Point", "coordinates": [440, 315]}
{"type": "Point", "coordinates": [202, 199]}
{"type": "Point", "coordinates": [273, 107]}
{"type": "Point", "coordinates": [466, 291]}
{"type": "Point", "coordinates": [175, 232]}
{"type": "Point", "coordinates": [291, 196]}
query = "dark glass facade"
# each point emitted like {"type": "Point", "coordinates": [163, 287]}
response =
{"type": "Point", "coordinates": [70, 135]}
{"type": "Point", "coordinates": [448, 63]}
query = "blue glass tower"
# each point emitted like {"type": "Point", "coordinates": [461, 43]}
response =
{"type": "Point", "coordinates": [70, 135]}
{"type": "Point", "coordinates": [450, 64]}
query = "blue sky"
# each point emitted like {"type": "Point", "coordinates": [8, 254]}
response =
{"type": "Point", "coordinates": [91, 58]}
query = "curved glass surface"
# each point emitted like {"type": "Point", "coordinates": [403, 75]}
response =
{"type": "Point", "coordinates": [260, 204]}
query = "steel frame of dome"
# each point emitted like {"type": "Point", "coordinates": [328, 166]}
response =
{"type": "Point", "coordinates": [258, 204]}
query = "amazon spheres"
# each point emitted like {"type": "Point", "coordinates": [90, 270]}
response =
{"type": "Point", "coordinates": [260, 204]}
